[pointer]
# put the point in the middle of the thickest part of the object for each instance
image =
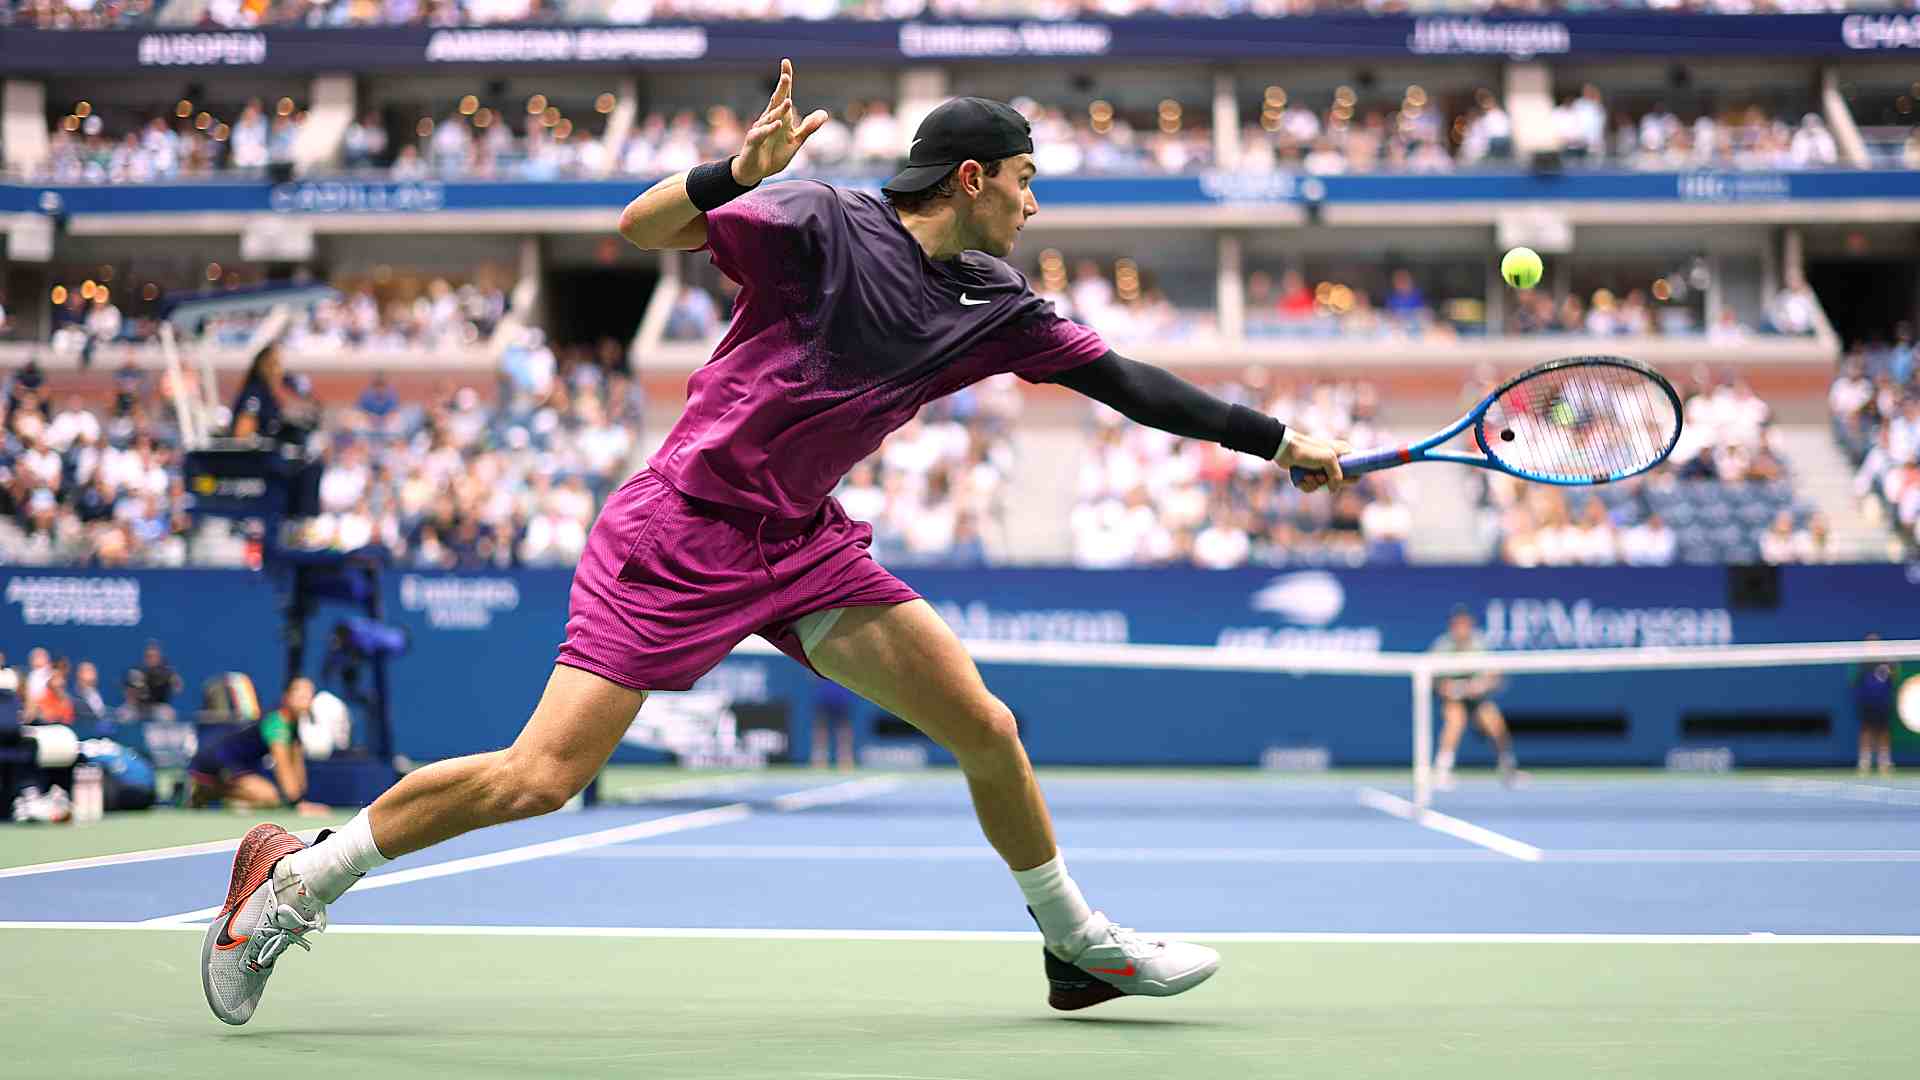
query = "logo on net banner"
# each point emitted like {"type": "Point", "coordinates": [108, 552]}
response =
{"type": "Point", "coordinates": [1732, 187]}
{"type": "Point", "coordinates": [355, 197]}
{"type": "Point", "coordinates": [458, 603]}
{"type": "Point", "coordinates": [76, 601]}
{"type": "Point", "coordinates": [201, 50]}
{"type": "Point", "coordinates": [1311, 600]}
{"type": "Point", "coordinates": [978, 621]}
{"type": "Point", "coordinates": [1004, 39]}
{"type": "Point", "coordinates": [1237, 187]}
{"type": "Point", "coordinates": [1525, 623]}
{"type": "Point", "coordinates": [598, 46]}
{"type": "Point", "coordinates": [1871, 32]}
{"type": "Point", "coordinates": [1480, 37]}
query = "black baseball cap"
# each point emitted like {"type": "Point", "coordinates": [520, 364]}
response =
{"type": "Point", "coordinates": [964, 129]}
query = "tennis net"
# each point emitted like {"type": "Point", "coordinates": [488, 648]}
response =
{"type": "Point", "coordinates": [1688, 708]}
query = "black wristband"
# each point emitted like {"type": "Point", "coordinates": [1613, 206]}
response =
{"type": "Point", "coordinates": [1253, 432]}
{"type": "Point", "coordinates": [710, 185]}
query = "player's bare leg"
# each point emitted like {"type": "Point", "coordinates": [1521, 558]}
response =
{"type": "Point", "coordinates": [280, 888]}
{"type": "Point", "coordinates": [573, 732]}
{"type": "Point", "coordinates": [1494, 726]}
{"type": "Point", "coordinates": [904, 659]}
{"type": "Point", "coordinates": [1453, 724]}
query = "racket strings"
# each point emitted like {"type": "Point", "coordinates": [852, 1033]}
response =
{"type": "Point", "coordinates": [1582, 423]}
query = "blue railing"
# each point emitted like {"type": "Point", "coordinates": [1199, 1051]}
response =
{"type": "Point", "coordinates": [30, 51]}
{"type": "Point", "coordinates": [405, 197]}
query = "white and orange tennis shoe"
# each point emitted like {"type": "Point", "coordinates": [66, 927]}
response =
{"type": "Point", "coordinates": [268, 910]}
{"type": "Point", "coordinates": [1111, 961]}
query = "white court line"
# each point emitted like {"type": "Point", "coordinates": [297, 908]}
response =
{"type": "Point", "coordinates": [678, 790]}
{"type": "Point", "coordinates": [1028, 936]}
{"type": "Point", "coordinates": [698, 819]}
{"type": "Point", "coordinates": [1452, 826]}
{"type": "Point", "coordinates": [641, 830]}
{"type": "Point", "coordinates": [970, 853]}
{"type": "Point", "coordinates": [1836, 789]}
{"type": "Point", "coordinates": [179, 851]}
{"type": "Point", "coordinates": [834, 794]}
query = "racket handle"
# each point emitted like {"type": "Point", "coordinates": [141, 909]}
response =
{"type": "Point", "coordinates": [1357, 464]}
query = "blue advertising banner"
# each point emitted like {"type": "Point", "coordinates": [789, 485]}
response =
{"type": "Point", "coordinates": [481, 647]}
{"type": "Point", "coordinates": [207, 621]}
{"type": "Point", "coordinates": [371, 49]}
{"type": "Point", "coordinates": [403, 198]}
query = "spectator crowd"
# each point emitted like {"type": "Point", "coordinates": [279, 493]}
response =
{"type": "Point", "coordinates": [1724, 496]}
{"type": "Point", "coordinates": [1146, 498]}
{"type": "Point", "coordinates": [52, 689]}
{"type": "Point", "coordinates": [1875, 403]}
{"type": "Point", "coordinates": [87, 146]}
{"type": "Point", "coordinates": [1658, 139]}
{"type": "Point", "coordinates": [423, 312]}
{"type": "Point", "coordinates": [1350, 135]}
{"type": "Point", "coordinates": [445, 483]}
{"type": "Point", "coordinates": [1341, 132]}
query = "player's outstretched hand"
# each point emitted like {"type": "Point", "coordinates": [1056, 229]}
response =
{"type": "Point", "coordinates": [774, 138]}
{"type": "Point", "coordinates": [1319, 457]}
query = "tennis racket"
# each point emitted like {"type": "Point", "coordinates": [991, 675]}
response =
{"type": "Point", "coordinates": [1573, 422]}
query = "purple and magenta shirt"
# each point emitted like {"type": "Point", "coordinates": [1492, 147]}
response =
{"type": "Point", "coordinates": [843, 329]}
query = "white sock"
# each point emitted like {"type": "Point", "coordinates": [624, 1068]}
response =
{"type": "Point", "coordinates": [331, 866]}
{"type": "Point", "coordinates": [1443, 761]}
{"type": "Point", "coordinates": [1056, 901]}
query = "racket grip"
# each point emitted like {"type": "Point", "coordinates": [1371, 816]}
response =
{"type": "Point", "coordinates": [1357, 464]}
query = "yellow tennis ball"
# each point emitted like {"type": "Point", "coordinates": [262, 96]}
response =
{"type": "Point", "coordinates": [1521, 267]}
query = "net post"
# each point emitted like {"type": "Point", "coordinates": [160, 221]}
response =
{"type": "Point", "coordinates": [1422, 734]}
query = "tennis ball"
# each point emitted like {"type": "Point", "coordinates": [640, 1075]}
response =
{"type": "Point", "coordinates": [1521, 267]}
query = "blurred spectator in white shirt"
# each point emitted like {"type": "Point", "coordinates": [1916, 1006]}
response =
{"type": "Point", "coordinates": [1594, 541]}
{"type": "Point", "coordinates": [1776, 544]}
{"type": "Point", "coordinates": [1814, 543]}
{"type": "Point", "coordinates": [877, 136]}
{"type": "Point", "coordinates": [1794, 307]}
{"type": "Point", "coordinates": [1650, 543]}
{"type": "Point", "coordinates": [1813, 146]}
{"type": "Point", "coordinates": [365, 143]}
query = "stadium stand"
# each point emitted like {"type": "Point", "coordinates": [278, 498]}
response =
{"type": "Point", "coordinates": [1148, 499]}
{"type": "Point", "coordinates": [1725, 496]}
{"type": "Point", "coordinates": [188, 140]}
{"type": "Point", "coordinates": [1875, 405]}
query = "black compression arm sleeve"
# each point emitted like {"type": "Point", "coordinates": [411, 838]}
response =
{"type": "Point", "coordinates": [1160, 399]}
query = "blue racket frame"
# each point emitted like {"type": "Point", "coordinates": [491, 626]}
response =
{"type": "Point", "coordinates": [1376, 460]}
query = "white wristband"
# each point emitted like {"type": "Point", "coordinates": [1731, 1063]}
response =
{"type": "Point", "coordinates": [1285, 442]}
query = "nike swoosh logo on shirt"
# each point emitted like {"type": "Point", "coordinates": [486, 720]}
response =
{"type": "Point", "coordinates": [967, 301]}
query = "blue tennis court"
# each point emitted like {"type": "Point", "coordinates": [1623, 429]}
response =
{"type": "Point", "coordinates": [1658, 855]}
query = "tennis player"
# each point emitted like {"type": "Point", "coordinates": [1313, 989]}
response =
{"type": "Point", "coordinates": [1464, 696]}
{"type": "Point", "coordinates": [853, 313]}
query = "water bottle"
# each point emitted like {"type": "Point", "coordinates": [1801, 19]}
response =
{"type": "Point", "coordinates": [89, 795]}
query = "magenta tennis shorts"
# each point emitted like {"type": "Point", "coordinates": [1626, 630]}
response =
{"type": "Point", "coordinates": [669, 585]}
